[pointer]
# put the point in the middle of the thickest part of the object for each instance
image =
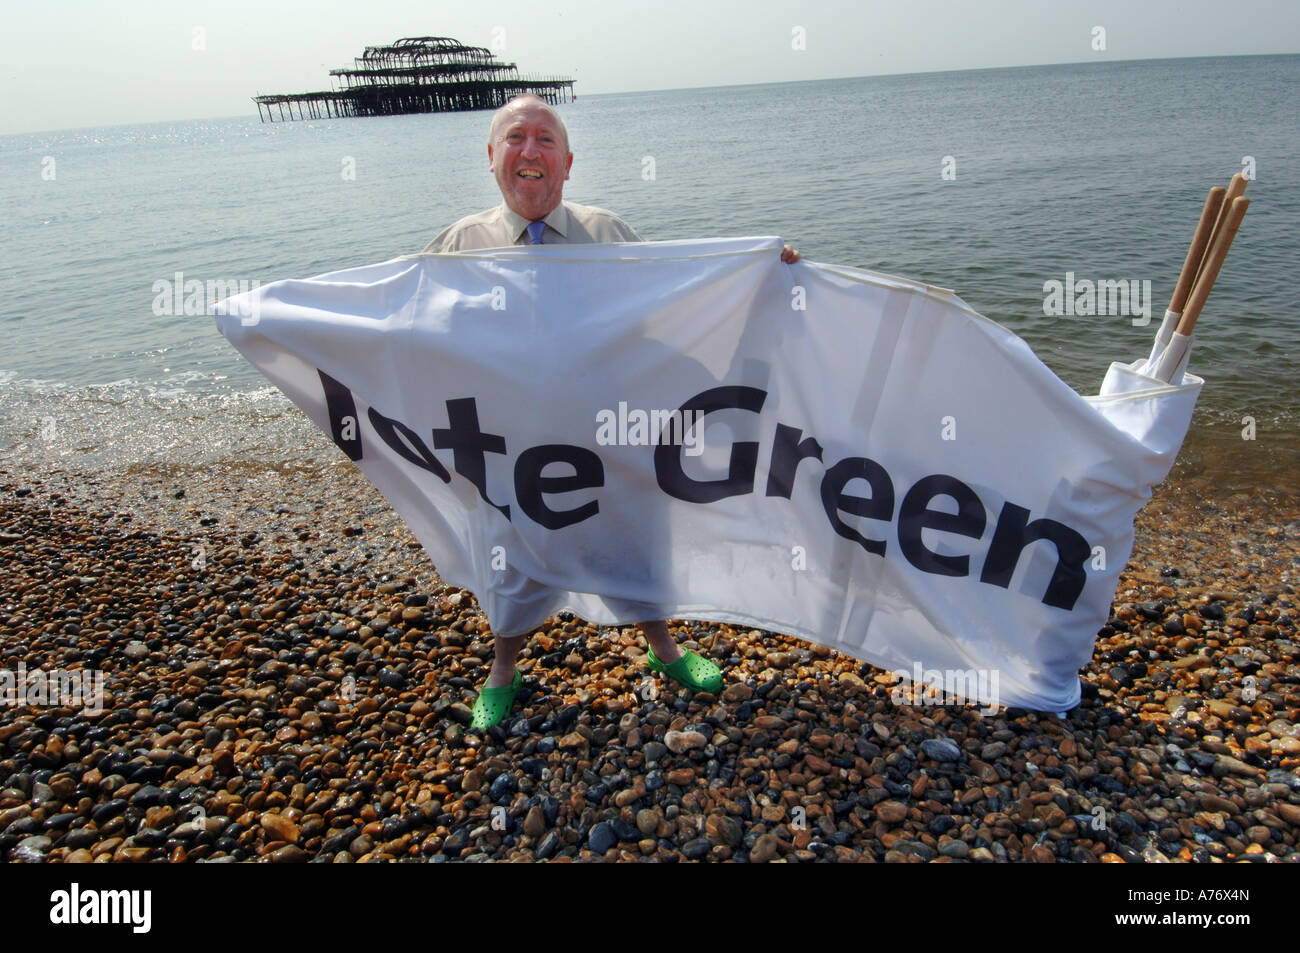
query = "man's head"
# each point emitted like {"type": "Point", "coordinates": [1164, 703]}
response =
{"type": "Point", "coordinates": [528, 152]}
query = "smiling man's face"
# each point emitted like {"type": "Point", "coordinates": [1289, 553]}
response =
{"type": "Point", "coordinates": [529, 155]}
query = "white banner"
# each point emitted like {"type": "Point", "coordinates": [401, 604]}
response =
{"type": "Point", "coordinates": [695, 430]}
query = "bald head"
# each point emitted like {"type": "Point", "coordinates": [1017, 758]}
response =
{"type": "Point", "coordinates": [528, 152]}
{"type": "Point", "coordinates": [526, 101]}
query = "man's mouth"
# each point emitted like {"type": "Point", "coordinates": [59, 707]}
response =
{"type": "Point", "coordinates": [529, 174]}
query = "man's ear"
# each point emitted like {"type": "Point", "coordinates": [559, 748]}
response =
{"type": "Point", "coordinates": [490, 169]}
{"type": "Point", "coordinates": [568, 164]}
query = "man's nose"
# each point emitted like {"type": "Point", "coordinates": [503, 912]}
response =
{"type": "Point", "coordinates": [531, 147]}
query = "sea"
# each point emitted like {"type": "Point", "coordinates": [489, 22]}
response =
{"type": "Point", "coordinates": [994, 183]}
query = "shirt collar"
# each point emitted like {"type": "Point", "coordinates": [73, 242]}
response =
{"type": "Point", "coordinates": [516, 223]}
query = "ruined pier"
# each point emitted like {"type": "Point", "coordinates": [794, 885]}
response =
{"type": "Point", "coordinates": [419, 74]}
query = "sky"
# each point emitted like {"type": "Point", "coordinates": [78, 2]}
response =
{"type": "Point", "coordinates": [79, 63]}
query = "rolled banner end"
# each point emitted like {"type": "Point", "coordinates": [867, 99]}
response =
{"type": "Point", "coordinates": [1172, 363]}
{"type": "Point", "coordinates": [1167, 328]}
{"type": "Point", "coordinates": [1166, 331]}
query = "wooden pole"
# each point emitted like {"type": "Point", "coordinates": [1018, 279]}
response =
{"type": "Point", "coordinates": [1195, 254]}
{"type": "Point", "coordinates": [1236, 187]}
{"type": "Point", "coordinates": [1231, 221]}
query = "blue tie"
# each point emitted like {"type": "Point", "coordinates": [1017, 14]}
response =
{"type": "Point", "coordinates": [535, 230]}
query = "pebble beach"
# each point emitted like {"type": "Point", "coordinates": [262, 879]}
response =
{"type": "Point", "coordinates": [286, 679]}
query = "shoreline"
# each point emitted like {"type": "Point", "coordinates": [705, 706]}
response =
{"type": "Point", "coordinates": [230, 671]}
{"type": "Point", "coordinates": [135, 435]}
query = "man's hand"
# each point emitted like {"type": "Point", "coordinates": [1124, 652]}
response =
{"type": "Point", "coordinates": [789, 255]}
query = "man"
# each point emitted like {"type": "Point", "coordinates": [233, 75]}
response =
{"type": "Point", "coordinates": [528, 152]}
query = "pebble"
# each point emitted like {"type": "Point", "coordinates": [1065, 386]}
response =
{"type": "Point", "coordinates": [723, 830]}
{"type": "Point", "coordinates": [654, 751]}
{"type": "Point", "coordinates": [1289, 813]}
{"type": "Point", "coordinates": [737, 692]}
{"type": "Point", "coordinates": [1214, 803]}
{"type": "Point", "coordinates": [289, 854]}
{"type": "Point", "coordinates": [535, 821]}
{"type": "Point", "coordinates": [852, 682]}
{"type": "Point", "coordinates": [695, 849]}
{"type": "Point", "coordinates": [106, 810]}
{"type": "Point", "coordinates": [549, 846]}
{"type": "Point", "coordinates": [1232, 765]}
{"type": "Point", "coordinates": [679, 742]}
{"type": "Point", "coordinates": [280, 827]}
{"type": "Point", "coordinates": [624, 830]}
{"type": "Point", "coordinates": [602, 838]}
{"type": "Point", "coordinates": [764, 849]}
{"type": "Point", "coordinates": [940, 749]}
{"type": "Point", "coordinates": [891, 812]}
{"type": "Point", "coordinates": [32, 849]}
{"type": "Point", "coordinates": [956, 849]}
{"type": "Point", "coordinates": [146, 796]}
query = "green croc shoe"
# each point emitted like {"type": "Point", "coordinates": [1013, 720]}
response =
{"type": "Point", "coordinates": [691, 670]}
{"type": "Point", "coordinates": [494, 704]}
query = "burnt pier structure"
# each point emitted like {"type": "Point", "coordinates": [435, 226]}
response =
{"type": "Point", "coordinates": [416, 74]}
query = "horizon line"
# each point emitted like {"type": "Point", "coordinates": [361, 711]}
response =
{"type": "Point", "coordinates": [673, 89]}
